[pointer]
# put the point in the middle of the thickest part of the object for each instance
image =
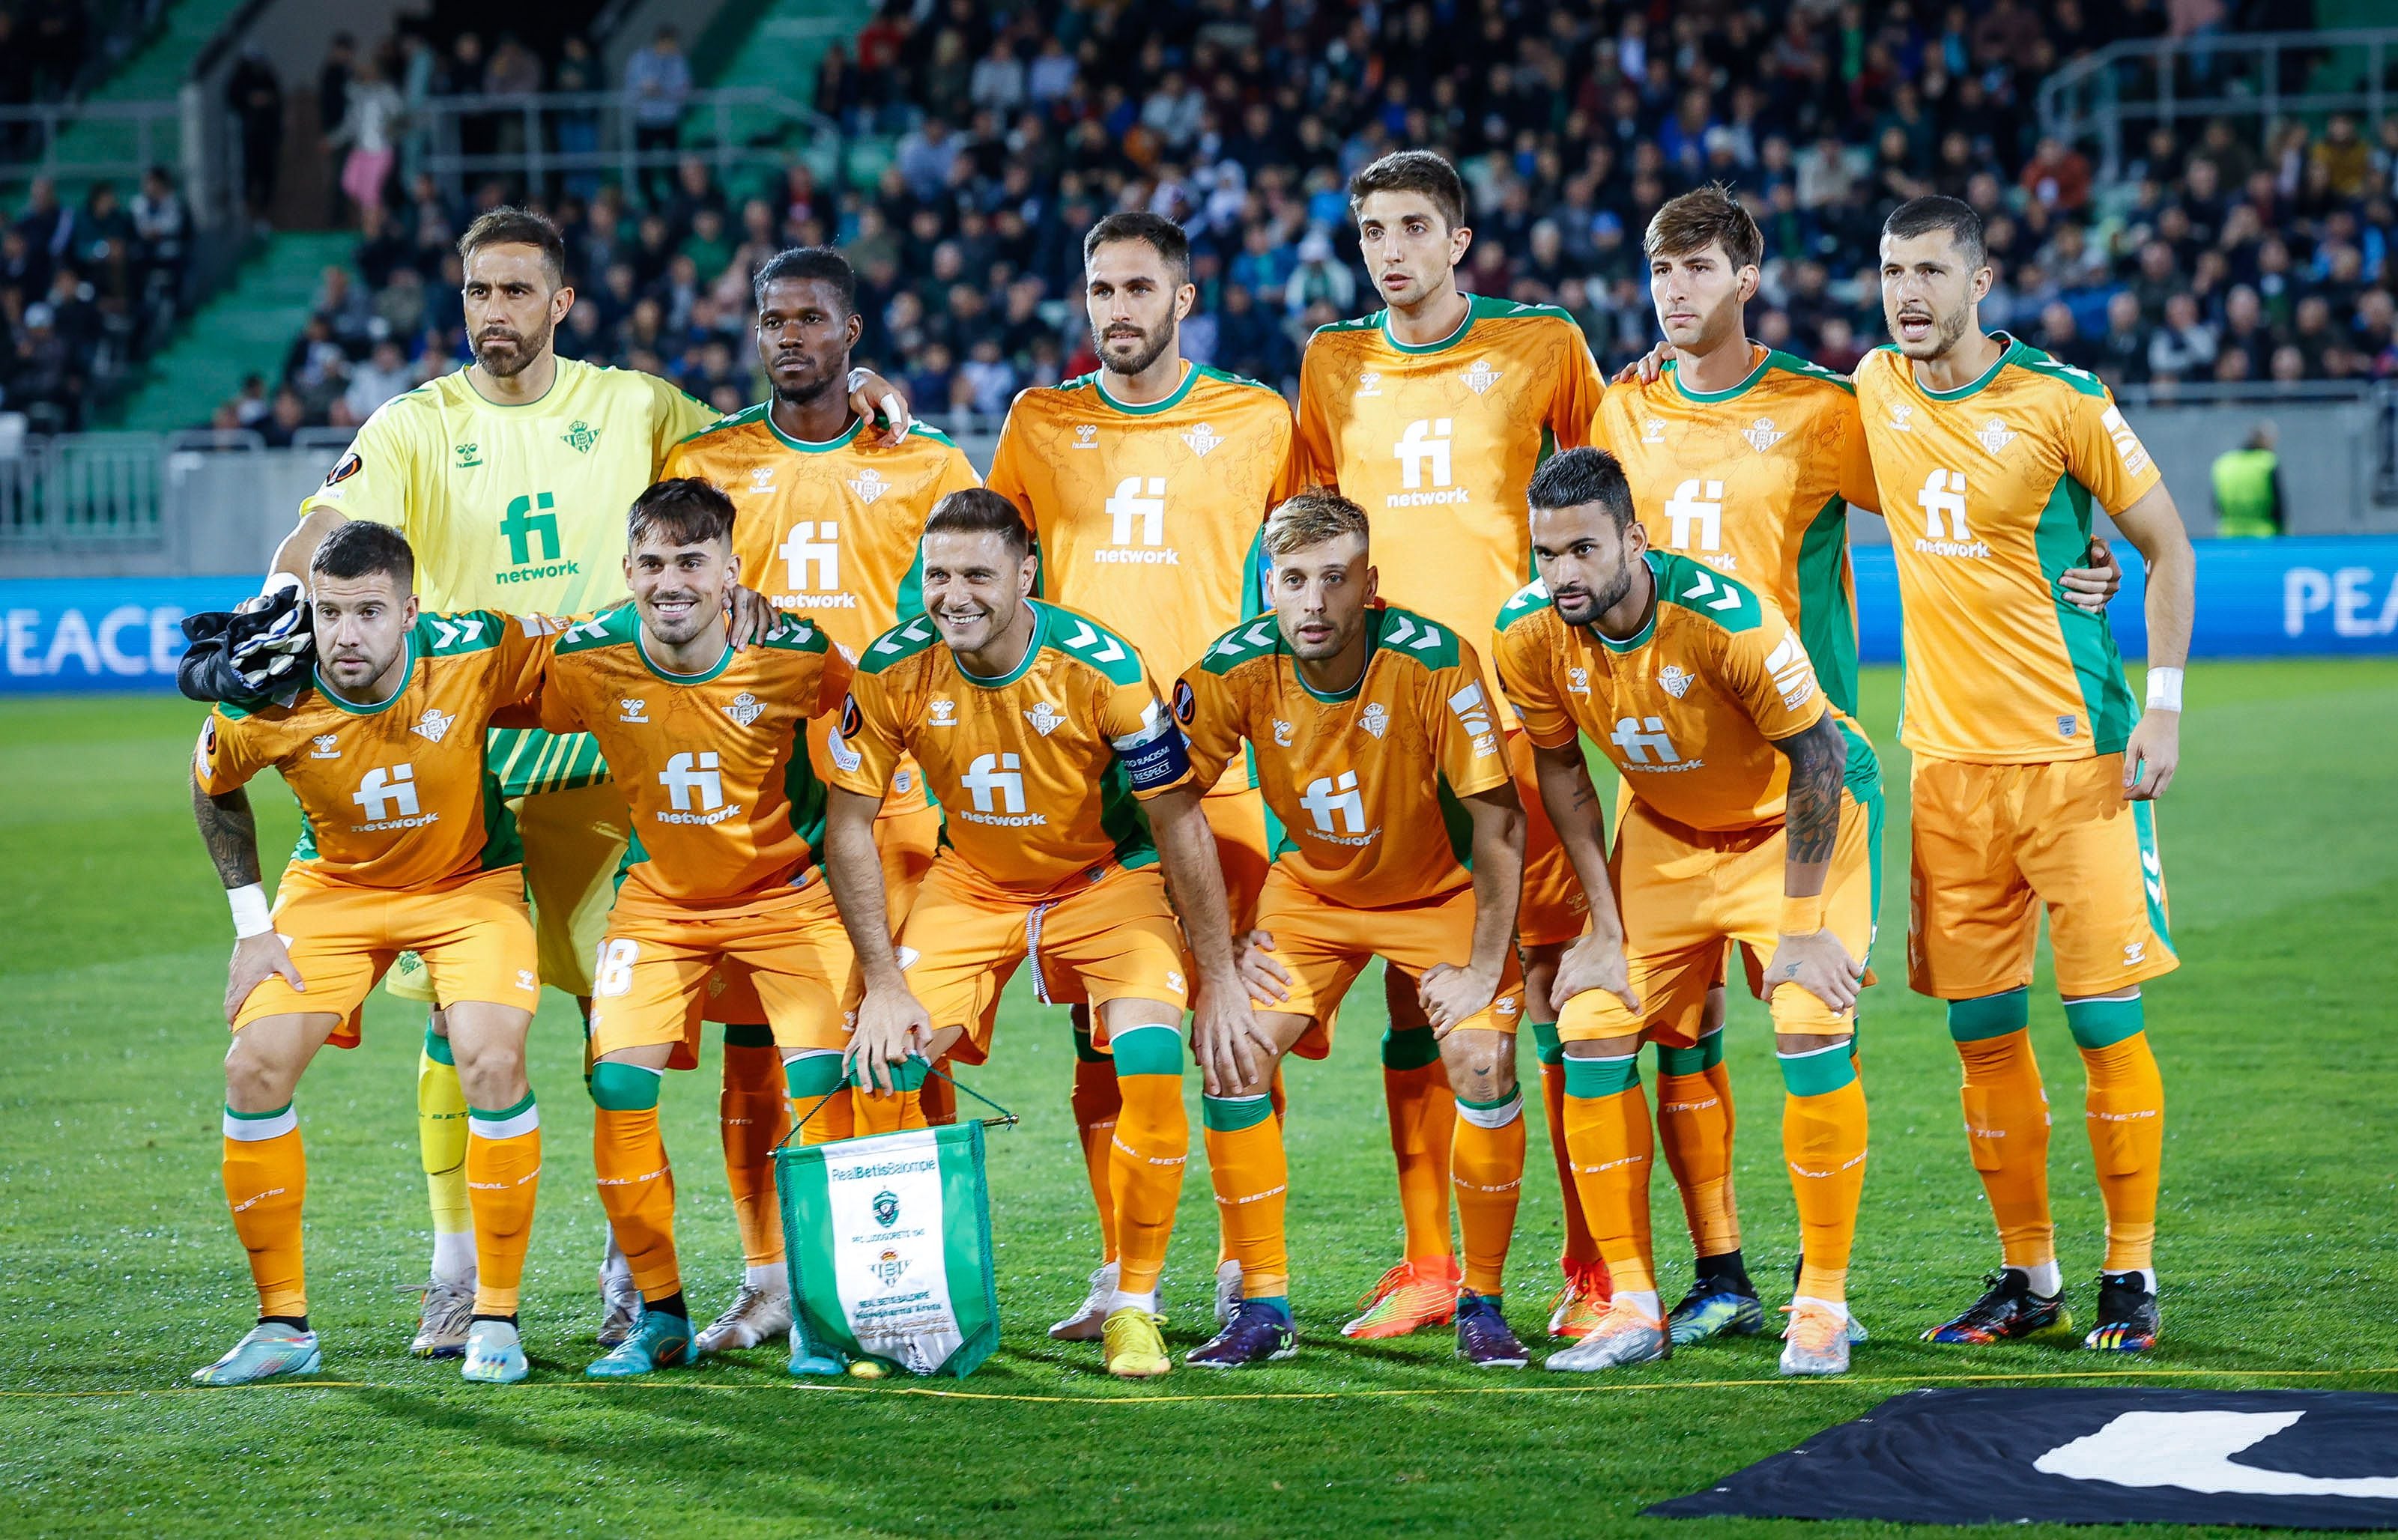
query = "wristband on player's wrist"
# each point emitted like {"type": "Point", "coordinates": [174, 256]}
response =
{"type": "Point", "coordinates": [2164, 690]}
{"type": "Point", "coordinates": [1801, 916]}
{"type": "Point", "coordinates": [251, 916]}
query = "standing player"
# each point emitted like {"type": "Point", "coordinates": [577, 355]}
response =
{"type": "Point", "coordinates": [1742, 828]}
{"type": "Point", "coordinates": [1047, 743]}
{"type": "Point", "coordinates": [1431, 414]}
{"type": "Point", "coordinates": [402, 847]}
{"type": "Point", "coordinates": [709, 747]}
{"type": "Point", "coordinates": [828, 528]}
{"type": "Point", "coordinates": [510, 478]}
{"type": "Point", "coordinates": [1145, 483]}
{"type": "Point", "coordinates": [1378, 752]}
{"type": "Point", "coordinates": [2034, 771]}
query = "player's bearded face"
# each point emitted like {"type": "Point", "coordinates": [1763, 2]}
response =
{"type": "Point", "coordinates": [361, 625]}
{"type": "Point", "coordinates": [973, 587]}
{"type": "Point", "coordinates": [1320, 593]}
{"type": "Point", "coordinates": [1134, 304]}
{"type": "Point", "coordinates": [1584, 559]}
{"type": "Point", "coordinates": [1928, 292]}
{"type": "Point", "coordinates": [678, 589]}
{"type": "Point", "coordinates": [805, 335]}
{"type": "Point", "coordinates": [512, 307]}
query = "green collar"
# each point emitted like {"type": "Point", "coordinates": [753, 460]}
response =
{"type": "Point", "coordinates": [1640, 639]}
{"type": "Point", "coordinates": [1032, 650]}
{"type": "Point", "coordinates": [807, 446]}
{"type": "Point", "coordinates": [669, 676]}
{"type": "Point", "coordinates": [1190, 378]}
{"type": "Point", "coordinates": [1472, 308]}
{"type": "Point", "coordinates": [407, 672]}
{"type": "Point", "coordinates": [2008, 350]}
{"type": "Point", "coordinates": [1764, 361]}
{"type": "Point", "coordinates": [555, 375]}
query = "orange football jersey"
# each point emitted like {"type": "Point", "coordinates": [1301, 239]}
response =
{"type": "Point", "coordinates": [831, 532]}
{"type": "Point", "coordinates": [1040, 774]}
{"type": "Point", "coordinates": [1437, 444]}
{"type": "Point", "coordinates": [1149, 516]}
{"type": "Point", "coordinates": [1688, 709]}
{"type": "Point", "coordinates": [1988, 489]}
{"type": "Point", "coordinates": [714, 766]}
{"type": "Point", "coordinates": [1365, 784]}
{"type": "Point", "coordinates": [393, 794]}
{"type": "Point", "coordinates": [1755, 481]}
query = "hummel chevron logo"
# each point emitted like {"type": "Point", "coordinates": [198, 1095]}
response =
{"type": "Point", "coordinates": [1402, 628]}
{"type": "Point", "coordinates": [445, 635]}
{"type": "Point", "coordinates": [1084, 636]}
{"type": "Point", "coordinates": [914, 631]}
{"type": "Point", "coordinates": [589, 631]}
{"type": "Point", "coordinates": [1704, 585]}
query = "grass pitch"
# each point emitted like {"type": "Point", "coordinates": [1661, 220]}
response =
{"type": "Point", "coordinates": [122, 1273]}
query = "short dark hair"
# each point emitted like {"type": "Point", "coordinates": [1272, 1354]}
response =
{"type": "Point", "coordinates": [1163, 235]}
{"type": "Point", "coordinates": [808, 263]}
{"type": "Point", "coordinates": [1705, 216]}
{"type": "Point", "coordinates": [360, 547]}
{"type": "Point", "coordinates": [980, 510]}
{"type": "Point", "coordinates": [1576, 476]}
{"type": "Point", "coordinates": [509, 225]}
{"type": "Point", "coordinates": [1412, 171]}
{"type": "Point", "coordinates": [682, 510]}
{"type": "Point", "coordinates": [1936, 211]}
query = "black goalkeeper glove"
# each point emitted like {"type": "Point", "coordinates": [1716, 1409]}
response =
{"type": "Point", "coordinates": [260, 650]}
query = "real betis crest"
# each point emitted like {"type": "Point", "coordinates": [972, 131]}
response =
{"type": "Point", "coordinates": [580, 435]}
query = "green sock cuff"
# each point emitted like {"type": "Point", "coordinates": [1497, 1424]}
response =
{"type": "Point", "coordinates": [1280, 1303]}
{"type": "Point", "coordinates": [1817, 1074]}
{"type": "Point", "coordinates": [436, 1047]}
{"type": "Point", "coordinates": [1595, 1077]}
{"type": "Point", "coordinates": [1084, 1050]}
{"type": "Point", "coordinates": [1232, 1114]}
{"type": "Point", "coordinates": [1409, 1048]}
{"type": "Point", "coordinates": [623, 1088]}
{"type": "Point", "coordinates": [1991, 1017]}
{"type": "Point", "coordinates": [2103, 1024]}
{"type": "Point", "coordinates": [906, 1075]}
{"type": "Point", "coordinates": [1546, 1044]}
{"type": "Point", "coordinates": [493, 1116]}
{"type": "Point", "coordinates": [813, 1075]}
{"type": "Point", "coordinates": [749, 1035]}
{"type": "Point", "coordinates": [1153, 1049]}
{"type": "Point", "coordinates": [283, 1111]}
{"type": "Point", "coordinates": [1697, 1059]}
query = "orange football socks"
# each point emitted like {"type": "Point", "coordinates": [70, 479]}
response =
{"type": "Point", "coordinates": [1252, 1180]}
{"type": "Point", "coordinates": [1613, 1146]}
{"type": "Point", "coordinates": [502, 1177]}
{"type": "Point", "coordinates": [266, 1182]}
{"type": "Point", "coordinates": [753, 1114]}
{"type": "Point", "coordinates": [1423, 1115]}
{"type": "Point", "coordinates": [2006, 1121]}
{"type": "Point", "coordinates": [636, 1182]}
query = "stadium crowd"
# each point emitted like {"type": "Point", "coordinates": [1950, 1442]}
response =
{"type": "Point", "coordinates": [1010, 130]}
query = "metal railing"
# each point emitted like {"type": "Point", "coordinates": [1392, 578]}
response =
{"type": "Point", "coordinates": [2233, 75]}
{"type": "Point", "coordinates": [82, 490]}
{"type": "Point", "coordinates": [90, 141]}
{"type": "Point", "coordinates": [551, 137]}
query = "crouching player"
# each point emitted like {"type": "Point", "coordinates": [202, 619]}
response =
{"type": "Point", "coordinates": [1742, 827]}
{"type": "Point", "coordinates": [401, 850]}
{"type": "Point", "coordinates": [709, 747]}
{"type": "Point", "coordinates": [1377, 749]}
{"type": "Point", "coordinates": [1046, 742]}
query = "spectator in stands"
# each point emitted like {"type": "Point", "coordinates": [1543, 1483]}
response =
{"type": "Point", "coordinates": [2184, 346]}
{"type": "Point", "coordinates": [384, 375]}
{"type": "Point", "coordinates": [370, 130]}
{"type": "Point", "coordinates": [658, 78]}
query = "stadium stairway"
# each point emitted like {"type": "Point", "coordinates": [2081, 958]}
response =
{"type": "Point", "coordinates": [155, 73]}
{"type": "Point", "coordinates": [245, 329]}
{"type": "Point", "coordinates": [782, 49]}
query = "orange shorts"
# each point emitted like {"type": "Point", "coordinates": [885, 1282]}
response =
{"type": "Point", "coordinates": [1244, 848]}
{"type": "Point", "coordinates": [654, 965]}
{"type": "Point", "coordinates": [1687, 896]}
{"type": "Point", "coordinates": [1324, 946]}
{"type": "Point", "coordinates": [1995, 843]}
{"type": "Point", "coordinates": [1552, 907]}
{"type": "Point", "coordinates": [906, 841]}
{"type": "Point", "coordinates": [473, 932]}
{"type": "Point", "coordinates": [1113, 939]}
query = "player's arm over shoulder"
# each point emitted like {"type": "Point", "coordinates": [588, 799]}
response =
{"type": "Point", "coordinates": [674, 415]}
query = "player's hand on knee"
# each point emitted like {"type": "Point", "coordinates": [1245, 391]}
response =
{"type": "Point", "coordinates": [1267, 981]}
{"type": "Point", "coordinates": [2152, 755]}
{"type": "Point", "coordinates": [2094, 583]}
{"type": "Point", "coordinates": [1820, 965]}
{"type": "Point", "coordinates": [1452, 995]}
{"type": "Point", "coordinates": [256, 960]}
{"type": "Point", "coordinates": [891, 1024]}
{"type": "Point", "coordinates": [1227, 1040]}
{"type": "Point", "coordinates": [1595, 962]}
